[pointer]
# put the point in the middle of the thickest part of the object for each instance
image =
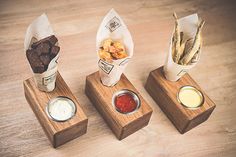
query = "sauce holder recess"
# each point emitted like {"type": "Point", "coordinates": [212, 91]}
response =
{"type": "Point", "coordinates": [58, 111]}
{"type": "Point", "coordinates": [183, 101]}
{"type": "Point", "coordinates": [103, 98]}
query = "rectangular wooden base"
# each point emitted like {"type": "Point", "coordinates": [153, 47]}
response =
{"type": "Point", "coordinates": [101, 96]}
{"type": "Point", "coordinates": [164, 92]}
{"type": "Point", "coordinates": [57, 132]}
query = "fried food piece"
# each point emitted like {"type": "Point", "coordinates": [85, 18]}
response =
{"type": "Point", "coordinates": [51, 39]}
{"type": "Point", "coordinates": [119, 55]}
{"type": "Point", "coordinates": [45, 59]}
{"type": "Point", "coordinates": [41, 53]}
{"type": "Point", "coordinates": [118, 45]}
{"type": "Point", "coordinates": [106, 44]}
{"type": "Point", "coordinates": [112, 50]}
{"type": "Point", "coordinates": [177, 40]}
{"type": "Point", "coordinates": [43, 48]}
{"type": "Point", "coordinates": [54, 51]}
{"type": "Point", "coordinates": [105, 55]}
{"type": "Point", "coordinates": [35, 63]}
{"type": "Point", "coordinates": [186, 50]}
{"type": "Point", "coordinates": [196, 44]}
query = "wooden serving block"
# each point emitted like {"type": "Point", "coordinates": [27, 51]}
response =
{"type": "Point", "coordinates": [164, 92]}
{"type": "Point", "coordinates": [101, 96]}
{"type": "Point", "coordinates": [57, 132]}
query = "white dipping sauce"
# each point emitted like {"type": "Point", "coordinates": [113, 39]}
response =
{"type": "Point", "coordinates": [61, 109]}
{"type": "Point", "coordinates": [190, 97]}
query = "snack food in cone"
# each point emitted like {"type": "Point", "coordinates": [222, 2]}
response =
{"type": "Point", "coordinates": [112, 50]}
{"type": "Point", "coordinates": [42, 52]}
{"type": "Point", "coordinates": [114, 47]}
{"type": "Point", "coordinates": [185, 46]}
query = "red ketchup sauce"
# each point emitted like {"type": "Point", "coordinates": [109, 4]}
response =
{"type": "Point", "coordinates": [125, 103]}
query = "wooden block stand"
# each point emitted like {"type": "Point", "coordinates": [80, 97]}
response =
{"type": "Point", "coordinates": [57, 132]}
{"type": "Point", "coordinates": [164, 92]}
{"type": "Point", "coordinates": [101, 96]}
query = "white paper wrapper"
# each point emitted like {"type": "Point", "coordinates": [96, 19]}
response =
{"type": "Point", "coordinates": [40, 28]}
{"type": "Point", "coordinates": [114, 28]}
{"type": "Point", "coordinates": [174, 71]}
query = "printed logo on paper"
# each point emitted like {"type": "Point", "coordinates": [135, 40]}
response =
{"type": "Point", "coordinates": [182, 72]}
{"type": "Point", "coordinates": [106, 67]}
{"type": "Point", "coordinates": [113, 24]}
{"type": "Point", "coordinates": [49, 79]}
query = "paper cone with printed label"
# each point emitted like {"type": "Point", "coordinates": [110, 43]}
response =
{"type": "Point", "coordinates": [39, 29]}
{"type": "Point", "coordinates": [113, 27]}
{"type": "Point", "coordinates": [173, 71]}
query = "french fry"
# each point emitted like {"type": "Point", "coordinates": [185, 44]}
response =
{"type": "Point", "coordinates": [176, 37]}
{"type": "Point", "coordinates": [187, 48]}
{"type": "Point", "coordinates": [195, 57]}
{"type": "Point", "coordinates": [181, 51]}
{"type": "Point", "coordinates": [181, 38]}
{"type": "Point", "coordinates": [196, 44]}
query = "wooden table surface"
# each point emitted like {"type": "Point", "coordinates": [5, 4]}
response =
{"type": "Point", "coordinates": [150, 23]}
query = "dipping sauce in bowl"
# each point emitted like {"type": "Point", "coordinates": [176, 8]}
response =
{"type": "Point", "coordinates": [190, 97]}
{"type": "Point", "coordinates": [60, 109]}
{"type": "Point", "coordinates": [126, 101]}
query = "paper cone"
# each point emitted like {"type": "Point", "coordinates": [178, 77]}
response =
{"type": "Point", "coordinates": [172, 70]}
{"type": "Point", "coordinates": [40, 28]}
{"type": "Point", "coordinates": [114, 28]}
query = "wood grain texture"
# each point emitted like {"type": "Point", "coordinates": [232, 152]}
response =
{"type": "Point", "coordinates": [150, 23]}
{"type": "Point", "coordinates": [58, 132]}
{"type": "Point", "coordinates": [101, 96]}
{"type": "Point", "coordinates": [165, 92]}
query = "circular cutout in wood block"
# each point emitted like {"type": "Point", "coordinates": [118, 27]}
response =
{"type": "Point", "coordinates": [190, 97]}
{"type": "Point", "coordinates": [126, 101]}
{"type": "Point", "coordinates": [61, 109]}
